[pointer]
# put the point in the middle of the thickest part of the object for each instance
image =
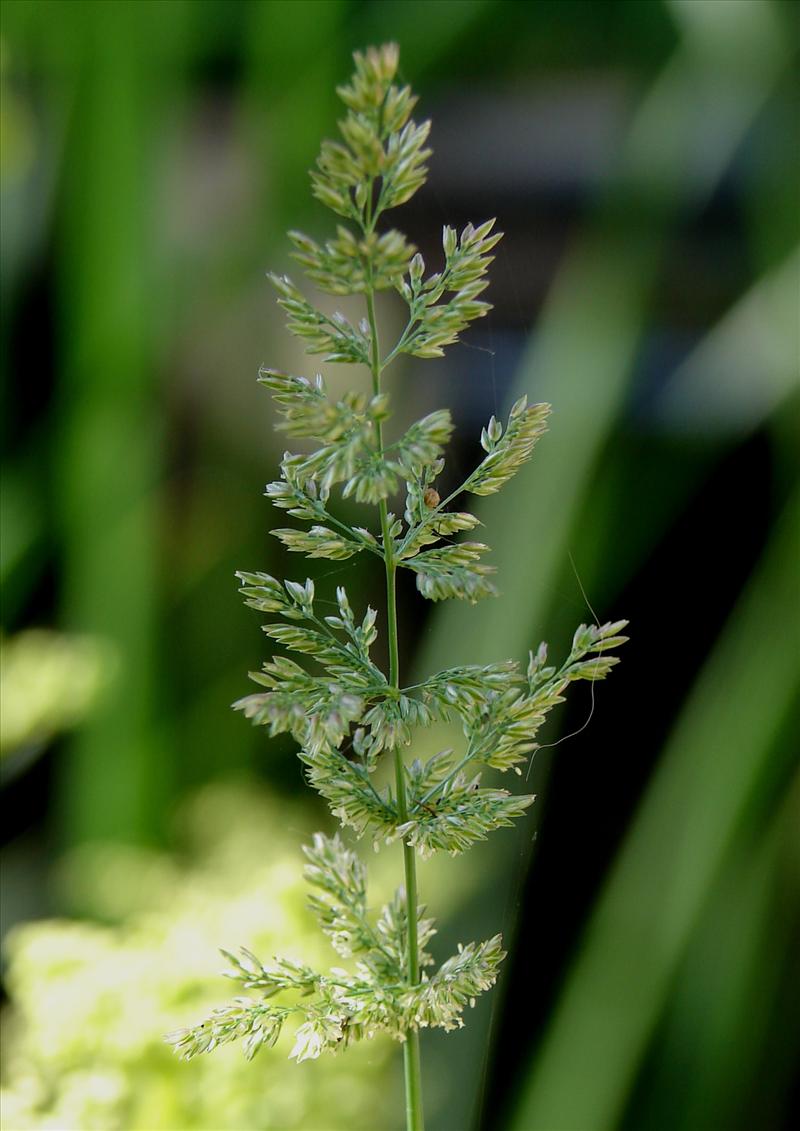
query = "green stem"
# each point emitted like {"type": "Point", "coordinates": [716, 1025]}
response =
{"type": "Point", "coordinates": [411, 1060]}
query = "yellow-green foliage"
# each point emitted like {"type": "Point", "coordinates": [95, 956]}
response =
{"type": "Point", "coordinates": [83, 1038]}
{"type": "Point", "coordinates": [48, 682]}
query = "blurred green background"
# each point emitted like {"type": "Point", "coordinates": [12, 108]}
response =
{"type": "Point", "coordinates": [642, 158]}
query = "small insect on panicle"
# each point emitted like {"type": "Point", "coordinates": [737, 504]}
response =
{"type": "Point", "coordinates": [431, 497]}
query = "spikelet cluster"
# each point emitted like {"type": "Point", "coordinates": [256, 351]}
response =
{"type": "Point", "coordinates": [334, 700]}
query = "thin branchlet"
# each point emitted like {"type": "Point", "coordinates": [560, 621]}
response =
{"type": "Point", "coordinates": [344, 712]}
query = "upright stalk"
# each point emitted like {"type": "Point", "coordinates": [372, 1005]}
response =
{"type": "Point", "coordinates": [411, 1060]}
{"type": "Point", "coordinates": [378, 165]}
